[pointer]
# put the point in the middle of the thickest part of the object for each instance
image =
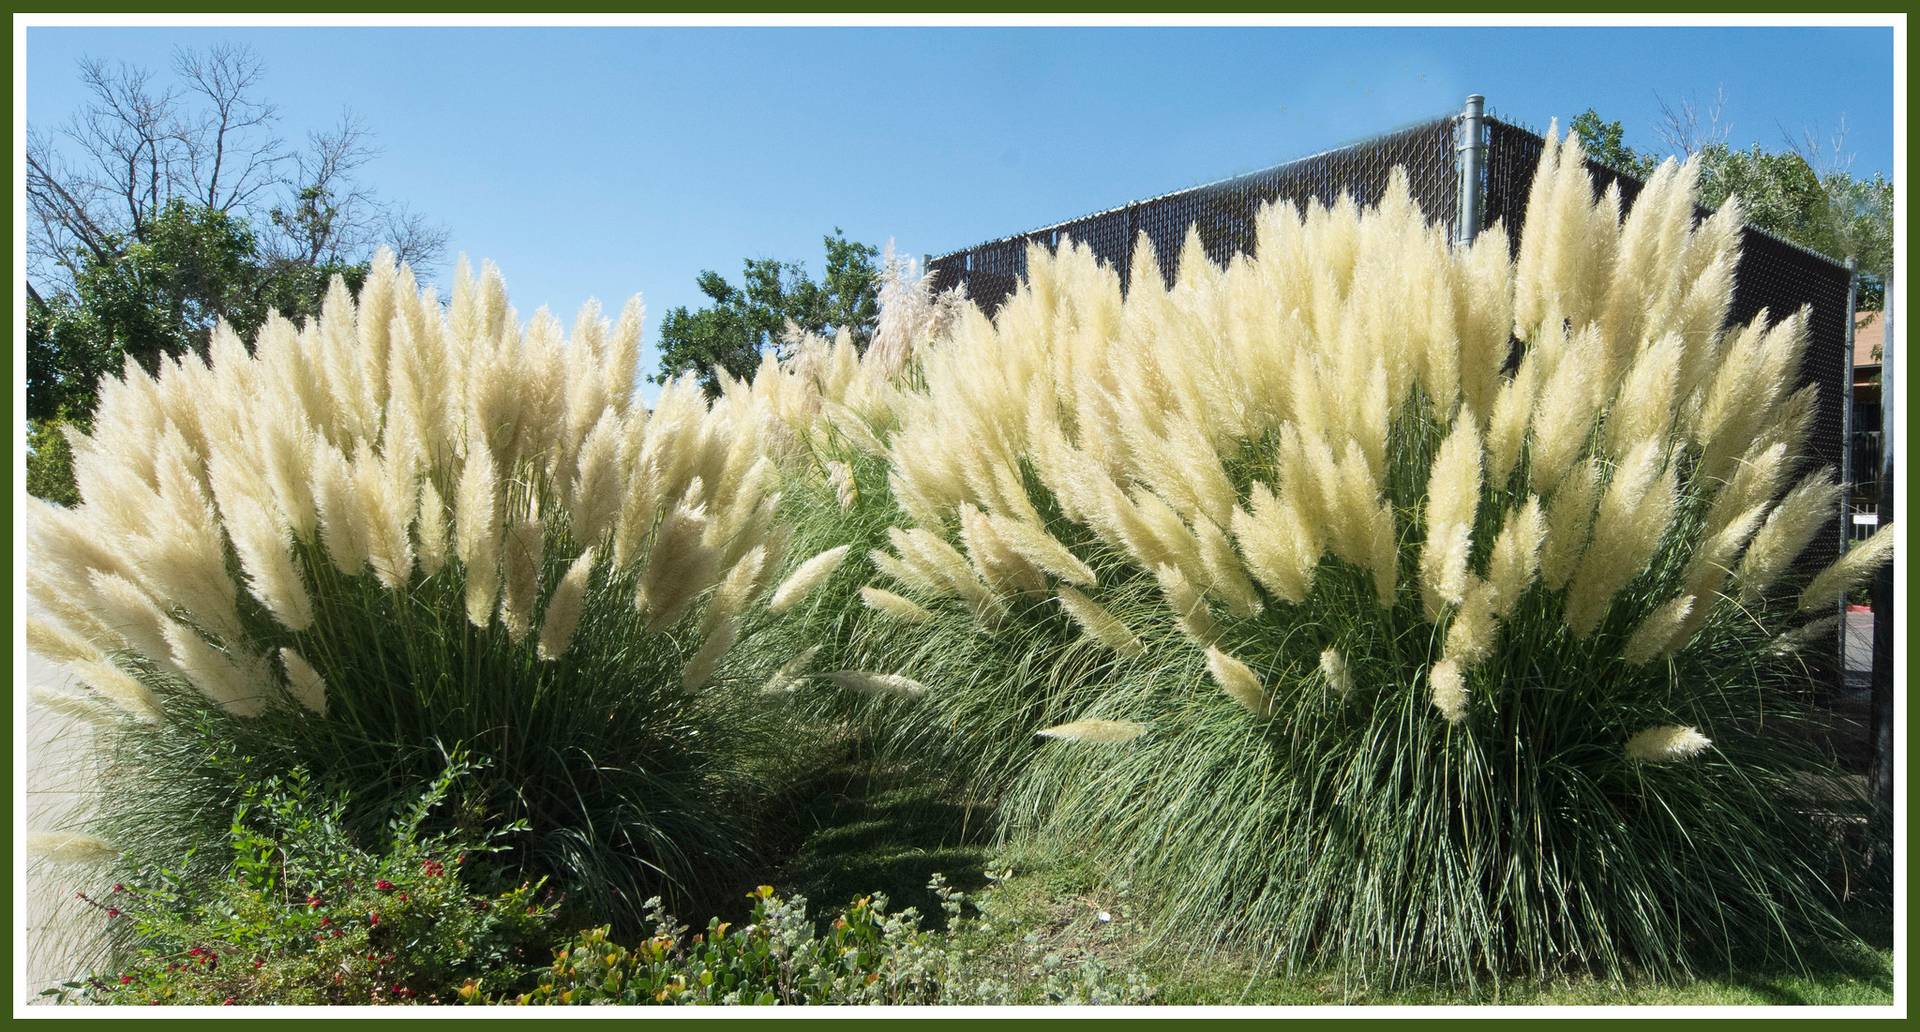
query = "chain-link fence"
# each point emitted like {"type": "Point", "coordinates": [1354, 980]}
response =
{"type": "Point", "coordinates": [1222, 212]}
{"type": "Point", "coordinates": [1773, 274]}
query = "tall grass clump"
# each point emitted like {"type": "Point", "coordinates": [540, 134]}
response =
{"type": "Point", "coordinates": [409, 529]}
{"type": "Point", "coordinates": [1428, 611]}
{"type": "Point", "coordinates": [843, 652]}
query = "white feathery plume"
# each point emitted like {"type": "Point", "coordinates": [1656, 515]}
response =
{"type": "Point", "coordinates": [1333, 667]}
{"type": "Point", "coordinates": [1453, 500]}
{"type": "Point", "coordinates": [845, 491]}
{"type": "Point", "coordinates": [235, 682]}
{"type": "Point", "coordinates": [1655, 636]}
{"type": "Point", "coordinates": [1281, 550]}
{"type": "Point", "coordinates": [1226, 578]}
{"type": "Point", "coordinates": [71, 847]}
{"type": "Point", "coordinates": [1563, 416]}
{"type": "Point", "coordinates": [1449, 690]}
{"type": "Point", "coordinates": [895, 606]}
{"type": "Point", "coordinates": [118, 687]}
{"type": "Point", "coordinates": [1189, 606]}
{"type": "Point", "coordinates": [430, 524]}
{"type": "Point", "coordinates": [719, 639]}
{"type": "Point", "coordinates": [1801, 514]}
{"type": "Point", "coordinates": [1240, 683]}
{"type": "Point", "coordinates": [1819, 631]}
{"type": "Point", "coordinates": [867, 682]}
{"type": "Point", "coordinates": [1667, 744]}
{"type": "Point", "coordinates": [806, 577]}
{"type": "Point", "coordinates": [565, 607]}
{"type": "Point", "coordinates": [57, 644]}
{"type": "Point", "coordinates": [1099, 624]}
{"type": "Point", "coordinates": [1474, 629]}
{"type": "Point", "coordinates": [1094, 731]}
{"type": "Point", "coordinates": [679, 566]}
{"type": "Point", "coordinates": [596, 486]}
{"type": "Point", "coordinates": [1644, 407]}
{"type": "Point", "coordinates": [476, 532]}
{"type": "Point", "coordinates": [267, 560]}
{"type": "Point", "coordinates": [1042, 549]}
{"type": "Point", "coordinates": [1849, 571]}
{"type": "Point", "coordinates": [1515, 556]}
{"type": "Point", "coordinates": [741, 585]}
{"type": "Point", "coordinates": [1633, 514]}
{"type": "Point", "coordinates": [521, 556]}
{"type": "Point", "coordinates": [1569, 524]}
{"type": "Point", "coordinates": [306, 685]}
{"type": "Point", "coordinates": [85, 708]}
{"type": "Point", "coordinates": [1002, 568]}
{"type": "Point", "coordinates": [130, 614]}
{"type": "Point", "coordinates": [336, 500]}
{"type": "Point", "coordinates": [785, 678]}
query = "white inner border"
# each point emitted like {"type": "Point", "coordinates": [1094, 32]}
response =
{"type": "Point", "coordinates": [1897, 303]}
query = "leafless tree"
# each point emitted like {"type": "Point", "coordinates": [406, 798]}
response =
{"type": "Point", "coordinates": [1825, 159]}
{"type": "Point", "coordinates": [226, 77]}
{"type": "Point", "coordinates": [328, 213]}
{"type": "Point", "coordinates": [1687, 128]}
{"type": "Point", "coordinates": [415, 239]}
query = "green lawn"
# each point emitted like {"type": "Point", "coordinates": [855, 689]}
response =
{"type": "Point", "coordinates": [865, 833]}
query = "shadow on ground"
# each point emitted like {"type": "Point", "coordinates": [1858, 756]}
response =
{"type": "Point", "coordinates": [861, 830]}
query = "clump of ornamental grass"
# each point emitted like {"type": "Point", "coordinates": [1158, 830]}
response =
{"type": "Point", "coordinates": [856, 655]}
{"type": "Point", "coordinates": [1426, 653]}
{"type": "Point", "coordinates": [405, 530]}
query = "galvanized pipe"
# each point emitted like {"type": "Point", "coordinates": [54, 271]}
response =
{"type": "Point", "coordinates": [1846, 408]}
{"type": "Point", "coordinates": [1471, 151]}
{"type": "Point", "coordinates": [1846, 449]}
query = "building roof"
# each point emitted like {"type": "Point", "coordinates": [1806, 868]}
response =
{"type": "Point", "coordinates": [1869, 335]}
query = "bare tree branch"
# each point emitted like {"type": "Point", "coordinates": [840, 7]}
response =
{"type": "Point", "coordinates": [1681, 127]}
{"type": "Point", "coordinates": [415, 240]}
{"type": "Point", "coordinates": [227, 76]}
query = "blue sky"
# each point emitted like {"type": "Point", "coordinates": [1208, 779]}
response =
{"type": "Point", "coordinates": [604, 162]}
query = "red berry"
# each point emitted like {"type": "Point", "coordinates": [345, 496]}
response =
{"type": "Point", "coordinates": [126, 979]}
{"type": "Point", "coordinates": [383, 885]}
{"type": "Point", "coordinates": [373, 918]}
{"type": "Point", "coordinates": [113, 912]}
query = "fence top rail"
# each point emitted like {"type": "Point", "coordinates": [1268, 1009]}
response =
{"type": "Point", "coordinates": [1197, 187]}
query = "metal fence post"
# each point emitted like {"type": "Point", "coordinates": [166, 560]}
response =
{"type": "Point", "coordinates": [1471, 150]}
{"type": "Point", "coordinates": [1880, 772]}
{"type": "Point", "coordinates": [1846, 448]}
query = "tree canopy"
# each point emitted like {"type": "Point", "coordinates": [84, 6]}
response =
{"type": "Point", "coordinates": [1784, 192]}
{"type": "Point", "coordinates": [742, 321]}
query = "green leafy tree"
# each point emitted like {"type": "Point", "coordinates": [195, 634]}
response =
{"type": "Point", "coordinates": [742, 321]}
{"type": "Point", "coordinates": [1605, 142]}
{"type": "Point", "coordinates": [1782, 192]}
